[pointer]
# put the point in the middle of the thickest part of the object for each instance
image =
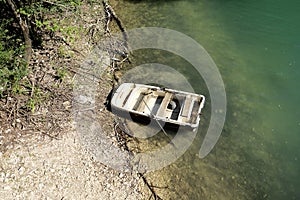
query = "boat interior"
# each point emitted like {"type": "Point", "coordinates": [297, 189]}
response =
{"type": "Point", "coordinates": [164, 104]}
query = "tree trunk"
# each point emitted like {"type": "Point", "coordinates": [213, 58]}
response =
{"type": "Point", "coordinates": [25, 31]}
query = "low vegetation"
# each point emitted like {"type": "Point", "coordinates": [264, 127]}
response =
{"type": "Point", "coordinates": [22, 27]}
{"type": "Point", "coordinates": [42, 42]}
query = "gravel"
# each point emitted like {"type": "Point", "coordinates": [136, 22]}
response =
{"type": "Point", "coordinates": [61, 169]}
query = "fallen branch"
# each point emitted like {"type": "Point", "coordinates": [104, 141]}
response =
{"type": "Point", "coordinates": [55, 4]}
{"type": "Point", "coordinates": [153, 193]}
{"type": "Point", "coordinates": [111, 14]}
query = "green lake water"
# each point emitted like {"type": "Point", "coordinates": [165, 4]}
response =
{"type": "Point", "coordinates": [256, 46]}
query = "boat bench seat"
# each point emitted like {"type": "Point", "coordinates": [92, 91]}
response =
{"type": "Point", "coordinates": [162, 109]}
{"type": "Point", "coordinates": [148, 103]}
{"type": "Point", "coordinates": [188, 106]}
{"type": "Point", "coordinates": [133, 98]}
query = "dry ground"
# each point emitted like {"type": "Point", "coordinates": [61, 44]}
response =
{"type": "Point", "coordinates": [40, 155]}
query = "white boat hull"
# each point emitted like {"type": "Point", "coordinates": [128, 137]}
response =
{"type": "Point", "coordinates": [143, 103]}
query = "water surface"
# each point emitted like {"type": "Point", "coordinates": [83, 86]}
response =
{"type": "Point", "coordinates": [256, 46]}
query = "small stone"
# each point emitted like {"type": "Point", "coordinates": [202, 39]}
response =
{"type": "Point", "coordinates": [7, 187]}
{"type": "Point", "coordinates": [7, 130]}
{"type": "Point", "coordinates": [21, 170]}
{"type": "Point", "coordinates": [12, 176]}
{"type": "Point", "coordinates": [1, 179]}
{"type": "Point", "coordinates": [67, 104]}
{"type": "Point", "coordinates": [7, 175]}
{"type": "Point", "coordinates": [41, 185]}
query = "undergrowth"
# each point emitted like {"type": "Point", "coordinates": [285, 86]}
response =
{"type": "Point", "coordinates": [13, 66]}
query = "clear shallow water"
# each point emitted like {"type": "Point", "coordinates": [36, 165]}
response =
{"type": "Point", "coordinates": [256, 46]}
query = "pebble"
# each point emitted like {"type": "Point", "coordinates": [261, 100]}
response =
{"type": "Point", "coordinates": [7, 187]}
{"type": "Point", "coordinates": [2, 177]}
{"type": "Point", "coordinates": [41, 185]}
{"type": "Point", "coordinates": [21, 170]}
{"type": "Point", "coordinates": [67, 104]}
{"type": "Point", "coordinates": [12, 176]}
{"type": "Point", "coordinates": [7, 175]}
{"type": "Point", "coordinates": [7, 131]}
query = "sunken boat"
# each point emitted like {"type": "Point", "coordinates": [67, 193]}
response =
{"type": "Point", "coordinates": [143, 103]}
